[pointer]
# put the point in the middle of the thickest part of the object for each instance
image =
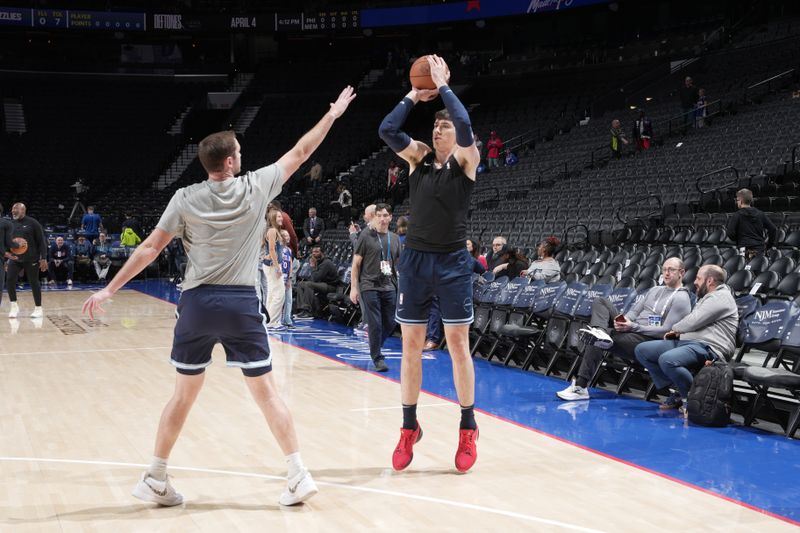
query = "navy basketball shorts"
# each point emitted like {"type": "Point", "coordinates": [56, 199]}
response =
{"type": "Point", "coordinates": [230, 315]}
{"type": "Point", "coordinates": [423, 275]}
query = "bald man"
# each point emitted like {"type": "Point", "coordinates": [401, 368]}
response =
{"type": "Point", "coordinates": [25, 227]}
{"type": "Point", "coordinates": [706, 334]}
{"type": "Point", "coordinates": [5, 249]}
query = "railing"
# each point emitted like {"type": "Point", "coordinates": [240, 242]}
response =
{"type": "Point", "coordinates": [565, 241]}
{"type": "Point", "coordinates": [714, 173]}
{"type": "Point", "coordinates": [597, 159]}
{"type": "Point", "coordinates": [647, 198]}
{"type": "Point", "coordinates": [680, 121]}
{"type": "Point", "coordinates": [766, 83]}
{"type": "Point", "coordinates": [793, 162]}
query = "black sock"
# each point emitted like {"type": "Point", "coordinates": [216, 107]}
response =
{"type": "Point", "coordinates": [468, 417]}
{"type": "Point", "coordinates": [409, 416]}
{"type": "Point", "coordinates": [581, 382]}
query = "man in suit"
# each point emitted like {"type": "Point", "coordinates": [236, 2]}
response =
{"type": "Point", "coordinates": [313, 227]}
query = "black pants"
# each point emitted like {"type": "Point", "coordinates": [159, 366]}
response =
{"type": "Point", "coordinates": [31, 272]}
{"type": "Point", "coordinates": [380, 319]}
{"type": "Point", "coordinates": [2, 278]}
{"type": "Point", "coordinates": [603, 313]}
{"type": "Point", "coordinates": [306, 294]}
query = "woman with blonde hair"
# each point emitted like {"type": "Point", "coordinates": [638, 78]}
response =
{"type": "Point", "coordinates": [272, 268]}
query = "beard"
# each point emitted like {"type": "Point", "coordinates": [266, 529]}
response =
{"type": "Point", "coordinates": [702, 291]}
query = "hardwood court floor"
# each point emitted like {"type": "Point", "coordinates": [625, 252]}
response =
{"type": "Point", "coordinates": [80, 402]}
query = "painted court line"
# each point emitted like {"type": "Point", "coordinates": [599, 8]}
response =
{"type": "Point", "coordinates": [98, 350]}
{"type": "Point", "coordinates": [400, 407]}
{"type": "Point", "coordinates": [428, 499]}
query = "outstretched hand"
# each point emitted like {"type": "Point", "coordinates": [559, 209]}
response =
{"type": "Point", "coordinates": [440, 73]}
{"type": "Point", "coordinates": [95, 302]}
{"type": "Point", "coordinates": [340, 105]}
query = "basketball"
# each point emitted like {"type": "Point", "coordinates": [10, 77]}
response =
{"type": "Point", "coordinates": [420, 74]}
{"type": "Point", "coordinates": [20, 246]}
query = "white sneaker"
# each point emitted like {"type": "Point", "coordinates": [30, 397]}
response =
{"type": "Point", "coordinates": [37, 312]}
{"type": "Point", "coordinates": [14, 310]}
{"type": "Point", "coordinates": [69, 283]}
{"type": "Point", "coordinates": [597, 337]}
{"type": "Point", "coordinates": [300, 488]}
{"type": "Point", "coordinates": [149, 489]}
{"type": "Point", "coordinates": [573, 393]}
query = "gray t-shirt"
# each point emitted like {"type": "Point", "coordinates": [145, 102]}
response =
{"type": "Point", "coordinates": [222, 225]}
{"type": "Point", "coordinates": [374, 248]}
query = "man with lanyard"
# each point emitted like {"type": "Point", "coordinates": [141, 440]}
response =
{"type": "Point", "coordinates": [652, 316]}
{"type": "Point", "coordinates": [435, 261]}
{"type": "Point", "coordinates": [373, 280]}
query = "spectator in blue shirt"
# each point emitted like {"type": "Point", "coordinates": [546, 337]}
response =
{"type": "Point", "coordinates": [91, 223]}
{"type": "Point", "coordinates": [83, 257]}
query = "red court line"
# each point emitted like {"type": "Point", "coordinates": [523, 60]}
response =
{"type": "Point", "coordinates": [549, 435]}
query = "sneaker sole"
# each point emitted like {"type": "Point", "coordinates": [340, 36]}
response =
{"type": "Point", "coordinates": [297, 500]}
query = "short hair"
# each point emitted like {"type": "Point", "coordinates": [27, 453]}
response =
{"type": "Point", "coordinates": [402, 222]}
{"type": "Point", "coordinates": [382, 206]}
{"type": "Point", "coordinates": [442, 114]}
{"type": "Point", "coordinates": [715, 272]}
{"type": "Point", "coordinates": [90, 207]}
{"type": "Point", "coordinates": [503, 239]}
{"type": "Point", "coordinates": [215, 149]}
{"type": "Point", "coordinates": [312, 209]}
{"type": "Point", "coordinates": [277, 205]}
{"type": "Point", "coordinates": [677, 260]}
{"type": "Point", "coordinates": [745, 196]}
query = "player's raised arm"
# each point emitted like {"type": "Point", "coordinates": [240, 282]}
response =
{"type": "Point", "coordinates": [395, 138]}
{"type": "Point", "coordinates": [466, 153]}
{"type": "Point", "coordinates": [309, 142]}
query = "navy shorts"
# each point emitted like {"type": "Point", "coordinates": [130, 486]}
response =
{"type": "Point", "coordinates": [423, 275]}
{"type": "Point", "coordinates": [230, 315]}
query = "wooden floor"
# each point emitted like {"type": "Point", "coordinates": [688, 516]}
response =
{"type": "Point", "coordinates": [80, 401]}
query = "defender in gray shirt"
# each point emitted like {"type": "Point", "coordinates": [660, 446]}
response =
{"type": "Point", "coordinates": [221, 222]}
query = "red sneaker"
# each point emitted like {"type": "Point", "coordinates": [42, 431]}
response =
{"type": "Point", "coordinates": [467, 452]}
{"type": "Point", "coordinates": [404, 452]}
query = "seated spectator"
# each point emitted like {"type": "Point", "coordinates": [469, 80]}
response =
{"type": "Point", "coordinates": [324, 278]}
{"type": "Point", "coordinates": [133, 223]}
{"type": "Point", "coordinates": [546, 267]}
{"type": "Point", "coordinates": [83, 257]}
{"type": "Point", "coordinates": [313, 228]}
{"type": "Point", "coordinates": [474, 249]}
{"type": "Point", "coordinates": [434, 333]}
{"type": "Point", "coordinates": [129, 238]}
{"type": "Point", "coordinates": [511, 158]}
{"type": "Point", "coordinates": [748, 225]}
{"type": "Point", "coordinates": [652, 316]}
{"type": "Point", "coordinates": [60, 259]}
{"type": "Point", "coordinates": [343, 204]}
{"type": "Point", "coordinates": [706, 334]}
{"type": "Point", "coordinates": [642, 131]}
{"type": "Point", "coordinates": [617, 139]}
{"type": "Point", "coordinates": [492, 257]}
{"type": "Point", "coordinates": [512, 264]}
{"type": "Point", "coordinates": [102, 256]}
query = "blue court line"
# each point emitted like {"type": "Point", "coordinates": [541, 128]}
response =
{"type": "Point", "coordinates": [746, 466]}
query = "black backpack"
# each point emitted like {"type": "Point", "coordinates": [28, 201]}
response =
{"type": "Point", "coordinates": [709, 402]}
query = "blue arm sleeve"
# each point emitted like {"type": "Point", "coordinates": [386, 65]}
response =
{"type": "Point", "coordinates": [460, 117]}
{"type": "Point", "coordinates": [390, 131]}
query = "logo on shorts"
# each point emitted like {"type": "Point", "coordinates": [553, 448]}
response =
{"type": "Point", "coordinates": [401, 299]}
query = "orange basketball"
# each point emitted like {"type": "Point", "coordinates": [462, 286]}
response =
{"type": "Point", "coordinates": [420, 74]}
{"type": "Point", "coordinates": [20, 246]}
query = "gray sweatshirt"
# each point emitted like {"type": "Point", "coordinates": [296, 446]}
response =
{"type": "Point", "coordinates": [713, 322]}
{"type": "Point", "coordinates": [659, 301]}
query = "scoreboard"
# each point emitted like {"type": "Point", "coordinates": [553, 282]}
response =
{"type": "Point", "coordinates": [88, 20]}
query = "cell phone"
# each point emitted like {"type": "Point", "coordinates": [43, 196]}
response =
{"type": "Point", "coordinates": [619, 318]}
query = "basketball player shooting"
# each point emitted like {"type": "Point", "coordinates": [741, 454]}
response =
{"type": "Point", "coordinates": [435, 260]}
{"type": "Point", "coordinates": [221, 222]}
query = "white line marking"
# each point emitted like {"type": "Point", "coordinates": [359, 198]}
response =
{"type": "Point", "coordinates": [400, 407]}
{"type": "Point", "coordinates": [92, 351]}
{"type": "Point", "coordinates": [472, 507]}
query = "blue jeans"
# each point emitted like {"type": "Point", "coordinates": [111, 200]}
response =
{"type": "Point", "coordinates": [380, 318]}
{"type": "Point", "coordinates": [673, 362]}
{"type": "Point", "coordinates": [286, 320]}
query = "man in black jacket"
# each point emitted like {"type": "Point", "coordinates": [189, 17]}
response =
{"type": "Point", "coordinates": [24, 227]}
{"type": "Point", "coordinates": [324, 277]}
{"type": "Point", "coordinates": [313, 228]}
{"type": "Point", "coordinates": [5, 248]}
{"type": "Point", "coordinates": [747, 227]}
{"type": "Point", "coordinates": [689, 96]}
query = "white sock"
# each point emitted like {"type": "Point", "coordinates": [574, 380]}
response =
{"type": "Point", "coordinates": [158, 468]}
{"type": "Point", "coordinates": [295, 464]}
